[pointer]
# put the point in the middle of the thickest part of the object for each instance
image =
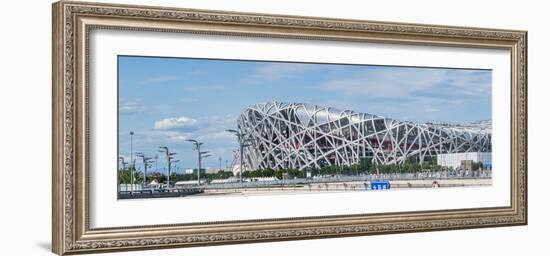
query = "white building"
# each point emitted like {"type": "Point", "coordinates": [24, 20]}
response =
{"type": "Point", "coordinates": [212, 170]}
{"type": "Point", "coordinates": [188, 183]}
{"type": "Point", "coordinates": [454, 159]}
{"type": "Point", "coordinates": [203, 170]}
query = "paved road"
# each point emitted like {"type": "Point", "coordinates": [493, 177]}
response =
{"type": "Point", "coordinates": [321, 187]}
{"type": "Point", "coordinates": [346, 187]}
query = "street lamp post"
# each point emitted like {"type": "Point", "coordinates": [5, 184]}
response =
{"type": "Point", "coordinates": [132, 161]}
{"type": "Point", "coordinates": [205, 155]}
{"type": "Point", "coordinates": [122, 162]}
{"type": "Point", "coordinates": [146, 163]}
{"type": "Point", "coordinates": [241, 139]}
{"type": "Point", "coordinates": [118, 175]}
{"type": "Point", "coordinates": [200, 155]}
{"type": "Point", "coordinates": [156, 163]}
{"type": "Point", "coordinates": [241, 164]}
{"type": "Point", "coordinates": [169, 161]}
{"type": "Point", "coordinates": [173, 161]}
{"type": "Point", "coordinates": [132, 178]}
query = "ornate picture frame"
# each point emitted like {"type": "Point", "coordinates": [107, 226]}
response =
{"type": "Point", "coordinates": [72, 23]}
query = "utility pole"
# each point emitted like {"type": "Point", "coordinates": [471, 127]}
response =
{"type": "Point", "coordinates": [242, 144]}
{"type": "Point", "coordinates": [220, 159]}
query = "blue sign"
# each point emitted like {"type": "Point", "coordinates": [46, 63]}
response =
{"type": "Point", "coordinates": [379, 185]}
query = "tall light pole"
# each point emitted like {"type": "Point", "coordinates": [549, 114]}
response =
{"type": "Point", "coordinates": [156, 163]}
{"type": "Point", "coordinates": [124, 163]}
{"type": "Point", "coordinates": [169, 161]}
{"type": "Point", "coordinates": [132, 161]}
{"type": "Point", "coordinates": [146, 163]}
{"type": "Point", "coordinates": [133, 164]}
{"type": "Point", "coordinates": [205, 155]}
{"type": "Point", "coordinates": [175, 167]}
{"type": "Point", "coordinates": [220, 159]}
{"type": "Point", "coordinates": [118, 175]}
{"type": "Point", "coordinates": [242, 144]}
{"type": "Point", "coordinates": [200, 155]}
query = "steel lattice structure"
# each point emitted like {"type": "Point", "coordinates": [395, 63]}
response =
{"type": "Point", "coordinates": [295, 135]}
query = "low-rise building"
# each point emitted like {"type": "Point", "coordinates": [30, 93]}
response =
{"type": "Point", "coordinates": [454, 160]}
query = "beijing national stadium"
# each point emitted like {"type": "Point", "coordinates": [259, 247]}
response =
{"type": "Point", "coordinates": [298, 136]}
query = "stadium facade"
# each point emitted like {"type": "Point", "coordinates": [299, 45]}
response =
{"type": "Point", "coordinates": [295, 135]}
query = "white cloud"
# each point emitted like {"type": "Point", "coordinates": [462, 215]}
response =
{"type": "Point", "coordinates": [385, 83]}
{"type": "Point", "coordinates": [219, 137]}
{"type": "Point", "coordinates": [189, 100]}
{"type": "Point", "coordinates": [221, 121]}
{"type": "Point", "coordinates": [471, 82]}
{"type": "Point", "coordinates": [130, 106]}
{"type": "Point", "coordinates": [175, 123]}
{"type": "Point", "coordinates": [407, 83]}
{"type": "Point", "coordinates": [275, 71]}
{"type": "Point", "coordinates": [158, 79]}
{"type": "Point", "coordinates": [199, 88]}
{"type": "Point", "coordinates": [161, 107]}
{"type": "Point", "coordinates": [174, 133]}
{"type": "Point", "coordinates": [213, 130]}
{"type": "Point", "coordinates": [417, 94]}
{"type": "Point", "coordinates": [176, 136]}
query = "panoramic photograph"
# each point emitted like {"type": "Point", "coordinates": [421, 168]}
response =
{"type": "Point", "coordinates": [212, 127]}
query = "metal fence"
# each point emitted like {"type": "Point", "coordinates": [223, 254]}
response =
{"type": "Point", "coordinates": [129, 187]}
{"type": "Point", "coordinates": [343, 179]}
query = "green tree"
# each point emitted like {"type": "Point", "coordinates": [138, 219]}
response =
{"type": "Point", "coordinates": [268, 172]}
{"type": "Point", "coordinates": [295, 173]}
{"type": "Point", "coordinates": [279, 174]}
{"type": "Point", "coordinates": [476, 166]}
{"type": "Point", "coordinates": [125, 176]}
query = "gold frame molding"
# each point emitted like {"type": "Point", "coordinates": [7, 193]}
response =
{"type": "Point", "coordinates": [72, 22]}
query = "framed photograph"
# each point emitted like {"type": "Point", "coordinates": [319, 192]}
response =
{"type": "Point", "coordinates": [179, 127]}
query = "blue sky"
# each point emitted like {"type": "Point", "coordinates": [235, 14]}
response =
{"type": "Point", "coordinates": [168, 100]}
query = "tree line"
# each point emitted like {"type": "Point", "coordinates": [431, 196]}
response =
{"type": "Point", "coordinates": [124, 176]}
{"type": "Point", "coordinates": [363, 167]}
